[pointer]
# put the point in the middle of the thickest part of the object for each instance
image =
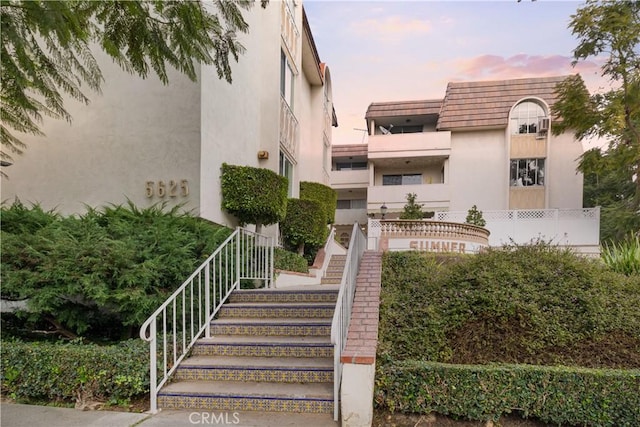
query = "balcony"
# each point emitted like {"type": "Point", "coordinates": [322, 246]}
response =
{"type": "Point", "coordinates": [403, 145]}
{"type": "Point", "coordinates": [349, 216]}
{"type": "Point", "coordinates": [349, 179]}
{"type": "Point", "coordinates": [288, 129]}
{"type": "Point", "coordinates": [433, 196]}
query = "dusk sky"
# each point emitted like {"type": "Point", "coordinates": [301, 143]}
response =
{"type": "Point", "coordinates": [408, 50]}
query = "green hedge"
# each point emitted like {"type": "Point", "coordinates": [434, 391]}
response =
{"type": "Point", "coordinates": [322, 194]}
{"type": "Point", "coordinates": [68, 371]}
{"type": "Point", "coordinates": [254, 195]}
{"type": "Point", "coordinates": [304, 224]}
{"type": "Point", "coordinates": [574, 396]}
{"type": "Point", "coordinates": [288, 261]}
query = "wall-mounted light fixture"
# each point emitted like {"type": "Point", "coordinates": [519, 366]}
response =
{"type": "Point", "coordinates": [383, 210]}
{"type": "Point", "coordinates": [263, 155]}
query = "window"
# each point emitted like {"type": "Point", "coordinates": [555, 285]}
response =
{"type": "Point", "coordinates": [526, 172]}
{"type": "Point", "coordinates": [405, 179]}
{"type": "Point", "coordinates": [286, 79]}
{"type": "Point", "coordinates": [525, 117]}
{"type": "Point", "coordinates": [286, 170]}
{"type": "Point", "coordinates": [352, 204]}
{"type": "Point", "coordinates": [351, 166]}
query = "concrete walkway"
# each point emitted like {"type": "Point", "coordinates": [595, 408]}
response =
{"type": "Point", "coordinates": [17, 415]}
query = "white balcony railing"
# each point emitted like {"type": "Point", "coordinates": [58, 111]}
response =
{"type": "Point", "coordinates": [350, 179]}
{"type": "Point", "coordinates": [288, 129]}
{"type": "Point", "coordinates": [402, 145]}
{"type": "Point", "coordinates": [289, 30]}
{"type": "Point", "coordinates": [432, 196]}
{"type": "Point", "coordinates": [349, 216]}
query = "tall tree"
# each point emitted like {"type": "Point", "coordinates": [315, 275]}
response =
{"type": "Point", "coordinates": [46, 50]}
{"type": "Point", "coordinates": [609, 29]}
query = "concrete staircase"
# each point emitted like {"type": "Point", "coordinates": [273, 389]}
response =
{"type": "Point", "coordinates": [333, 274]}
{"type": "Point", "coordinates": [270, 350]}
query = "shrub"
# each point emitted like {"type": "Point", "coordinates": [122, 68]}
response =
{"type": "Point", "coordinates": [289, 261]}
{"type": "Point", "coordinates": [322, 194]}
{"type": "Point", "coordinates": [559, 395]}
{"type": "Point", "coordinates": [304, 224]}
{"type": "Point", "coordinates": [75, 371]}
{"type": "Point", "coordinates": [623, 257]}
{"type": "Point", "coordinates": [412, 210]}
{"type": "Point", "coordinates": [474, 217]}
{"type": "Point", "coordinates": [254, 195]}
{"type": "Point", "coordinates": [103, 273]}
{"type": "Point", "coordinates": [530, 304]}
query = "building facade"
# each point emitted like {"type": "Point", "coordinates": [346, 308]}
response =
{"type": "Point", "coordinates": [485, 143]}
{"type": "Point", "coordinates": [149, 143]}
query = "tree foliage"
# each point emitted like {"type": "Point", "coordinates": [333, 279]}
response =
{"type": "Point", "coordinates": [47, 50]}
{"type": "Point", "coordinates": [412, 210]}
{"type": "Point", "coordinates": [612, 30]}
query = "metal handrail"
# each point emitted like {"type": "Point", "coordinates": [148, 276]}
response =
{"type": "Point", "coordinates": [186, 314]}
{"type": "Point", "coordinates": [342, 314]}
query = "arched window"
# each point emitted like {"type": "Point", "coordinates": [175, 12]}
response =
{"type": "Point", "coordinates": [526, 116]}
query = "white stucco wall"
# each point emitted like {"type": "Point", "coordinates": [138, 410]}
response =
{"type": "Point", "coordinates": [136, 131]}
{"type": "Point", "coordinates": [241, 118]}
{"type": "Point", "coordinates": [565, 183]}
{"type": "Point", "coordinates": [478, 170]}
{"type": "Point", "coordinates": [356, 394]}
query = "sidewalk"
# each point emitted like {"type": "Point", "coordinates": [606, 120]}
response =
{"type": "Point", "coordinates": [17, 415]}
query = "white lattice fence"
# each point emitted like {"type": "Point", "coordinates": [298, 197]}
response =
{"type": "Point", "coordinates": [578, 228]}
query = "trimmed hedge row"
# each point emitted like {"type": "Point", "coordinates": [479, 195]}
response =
{"type": "Point", "coordinates": [562, 395]}
{"type": "Point", "coordinates": [288, 261]}
{"type": "Point", "coordinates": [304, 225]}
{"type": "Point", "coordinates": [73, 371]}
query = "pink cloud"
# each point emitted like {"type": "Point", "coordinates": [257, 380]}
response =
{"type": "Point", "coordinates": [524, 65]}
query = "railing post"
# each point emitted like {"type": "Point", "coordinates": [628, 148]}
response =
{"type": "Point", "coordinates": [153, 368]}
{"type": "Point", "coordinates": [207, 297]}
{"type": "Point", "coordinates": [238, 261]}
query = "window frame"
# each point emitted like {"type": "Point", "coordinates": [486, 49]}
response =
{"type": "Point", "coordinates": [527, 172]}
{"type": "Point", "coordinates": [402, 177]}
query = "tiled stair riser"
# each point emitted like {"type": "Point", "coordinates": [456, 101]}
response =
{"type": "Point", "coordinates": [283, 375]}
{"type": "Point", "coordinates": [257, 310]}
{"type": "Point", "coordinates": [274, 297]}
{"type": "Point", "coordinates": [241, 403]}
{"type": "Point", "coordinates": [271, 350]}
{"type": "Point", "coordinates": [313, 330]}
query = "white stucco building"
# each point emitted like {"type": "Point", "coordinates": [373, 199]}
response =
{"type": "Point", "coordinates": [486, 143]}
{"type": "Point", "coordinates": [150, 143]}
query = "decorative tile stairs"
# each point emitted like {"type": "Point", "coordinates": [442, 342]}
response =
{"type": "Point", "coordinates": [333, 274]}
{"type": "Point", "coordinates": [270, 350]}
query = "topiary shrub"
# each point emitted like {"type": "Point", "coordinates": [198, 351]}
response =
{"type": "Point", "coordinates": [304, 224]}
{"type": "Point", "coordinates": [326, 196]}
{"type": "Point", "coordinates": [254, 195]}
